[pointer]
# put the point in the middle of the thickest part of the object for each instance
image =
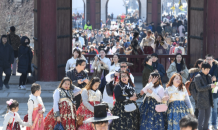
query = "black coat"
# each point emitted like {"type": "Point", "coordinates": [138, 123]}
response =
{"type": "Point", "coordinates": [73, 75]}
{"type": "Point", "coordinates": [25, 57]}
{"type": "Point", "coordinates": [204, 96]}
{"type": "Point", "coordinates": [6, 55]}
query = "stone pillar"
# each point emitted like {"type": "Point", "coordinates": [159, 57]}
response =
{"type": "Point", "coordinates": [103, 10]}
{"type": "Point", "coordinates": [143, 9]}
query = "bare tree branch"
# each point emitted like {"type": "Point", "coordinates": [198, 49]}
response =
{"type": "Point", "coordinates": [16, 14]}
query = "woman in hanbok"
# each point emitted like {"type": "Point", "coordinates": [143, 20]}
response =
{"type": "Point", "coordinates": [115, 66]}
{"type": "Point", "coordinates": [179, 103]}
{"type": "Point", "coordinates": [150, 119]}
{"type": "Point", "coordinates": [90, 96]}
{"type": "Point", "coordinates": [125, 106]}
{"type": "Point", "coordinates": [63, 110]}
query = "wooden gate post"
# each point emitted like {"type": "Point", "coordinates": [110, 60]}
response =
{"type": "Point", "coordinates": [94, 13]}
{"type": "Point", "coordinates": [154, 12]}
{"type": "Point", "coordinates": [46, 32]}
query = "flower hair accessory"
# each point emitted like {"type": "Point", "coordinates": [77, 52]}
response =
{"type": "Point", "coordinates": [10, 102]}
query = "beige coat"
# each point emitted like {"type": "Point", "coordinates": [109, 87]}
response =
{"type": "Point", "coordinates": [172, 70]}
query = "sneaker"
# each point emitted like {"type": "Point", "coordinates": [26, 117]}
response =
{"type": "Point", "coordinates": [19, 87]}
{"type": "Point", "coordinates": [24, 87]}
{"type": "Point", "coordinates": [213, 128]}
{"type": "Point", "coordinates": [7, 86]}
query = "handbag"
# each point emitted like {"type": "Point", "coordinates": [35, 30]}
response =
{"type": "Point", "coordinates": [130, 107]}
{"type": "Point", "coordinates": [79, 120]}
{"type": "Point", "coordinates": [58, 126]}
{"type": "Point", "coordinates": [109, 89]}
{"type": "Point", "coordinates": [161, 108]}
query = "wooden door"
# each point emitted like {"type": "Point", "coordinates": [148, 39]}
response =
{"type": "Point", "coordinates": [211, 42]}
{"type": "Point", "coordinates": [196, 32]}
{"type": "Point", "coordinates": [36, 56]}
{"type": "Point", "coordinates": [97, 14]}
{"type": "Point", "coordinates": [64, 35]}
{"type": "Point", "coordinates": [149, 11]}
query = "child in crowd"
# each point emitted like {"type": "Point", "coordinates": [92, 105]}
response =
{"type": "Point", "coordinates": [12, 118]}
{"type": "Point", "coordinates": [35, 109]}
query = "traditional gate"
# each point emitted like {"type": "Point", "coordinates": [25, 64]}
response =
{"type": "Point", "coordinates": [154, 11]}
{"type": "Point", "coordinates": [64, 35]}
{"type": "Point", "coordinates": [202, 28]}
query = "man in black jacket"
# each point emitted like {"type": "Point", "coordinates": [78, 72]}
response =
{"type": "Point", "coordinates": [79, 77]}
{"type": "Point", "coordinates": [214, 73]}
{"type": "Point", "coordinates": [6, 59]}
{"type": "Point", "coordinates": [157, 66]}
{"type": "Point", "coordinates": [204, 86]}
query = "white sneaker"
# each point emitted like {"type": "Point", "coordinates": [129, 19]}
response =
{"type": "Point", "coordinates": [24, 87]}
{"type": "Point", "coordinates": [20, 87]}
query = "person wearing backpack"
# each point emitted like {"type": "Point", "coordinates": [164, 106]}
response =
{"type": "Point", "coordinates": [192, 88]}
{"type": "Point", "coordinates": [204, 85]}
{"type": "Point", "coordinates": [214, 74]}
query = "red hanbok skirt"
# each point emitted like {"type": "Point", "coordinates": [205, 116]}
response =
{"type": "Point", "coordinates": [86, 113]}
{"type": "Point", "coordinates": [148, 50]}
{"type": "Point", "coordinates": [15, 127]}
{"type": "Point", "coordinates": [38, 120]}
{"type": "Point", "coordinates": [67, 113]}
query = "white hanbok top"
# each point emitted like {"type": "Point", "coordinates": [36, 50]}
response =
{"type": "Point", "coordinates": [158, 92]}
{"type": "Point", "coordinates": [32, 103]}
{"type": "Point", "coordinates": [114, 67]}
{"type": "Point", "coordinates": [90, 95]}
{"type": "Point", "coordinates": [9, 119]}
{"type": "Point", "coordinates": [56, 97]}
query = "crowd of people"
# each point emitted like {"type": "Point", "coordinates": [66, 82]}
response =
{"type": "Point", "coordinates": [107, 100]}
{"type": "Point", "coordinates": [135, 37]}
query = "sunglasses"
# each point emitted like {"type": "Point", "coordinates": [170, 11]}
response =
{"type": "Point", "coordinates": [124, 76]}
{"type": "Point", "coordinates": [123, 66]}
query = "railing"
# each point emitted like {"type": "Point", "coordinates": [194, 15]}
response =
{"type": "Point", "coordinates": [138, 60]}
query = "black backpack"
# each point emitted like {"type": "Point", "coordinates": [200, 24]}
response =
{"type": "Point", "coordinates": [193, 90]}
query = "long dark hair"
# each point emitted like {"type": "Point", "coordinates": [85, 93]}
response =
{"type": "Point", "coordinates": [129, 81]}
{"type": "Point", "coordinates": [157, 42]}
{"type": "Point", "coordinates": [182, 61]}
{"type": "Point", "coordinates": [66, 79]}
{"type": "Point", "coordinates": [135, 35]}
{"type": "Point", "coordinates": [92, 82]}
{"type": "Point", "coordinates": [199, 61]}
{"type": "Point", "coordinates": [156, 74]}
{"type": "Point", "coordinates": [116, 54]}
